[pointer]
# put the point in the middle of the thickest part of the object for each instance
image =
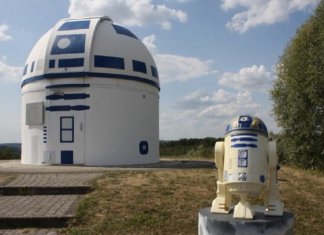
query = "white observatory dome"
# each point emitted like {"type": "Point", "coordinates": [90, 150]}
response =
{"type": "Point", "coordinates": [90, 95]}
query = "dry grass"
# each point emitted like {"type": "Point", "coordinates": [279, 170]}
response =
{"type": "Point", "coordinates": [303, 194]}
{"type": "Point", "coordinates": [168, 201]}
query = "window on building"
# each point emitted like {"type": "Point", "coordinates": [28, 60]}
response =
{"type": "Point", "coordinates": [67, 130]}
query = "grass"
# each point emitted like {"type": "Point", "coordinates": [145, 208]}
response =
{"type": "Point", "coordinates": [168, 201]}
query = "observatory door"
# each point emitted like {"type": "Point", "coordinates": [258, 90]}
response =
{"type": "Point", "coordinates": [66, 118]}
{"type": "Point", "coordinates": [71, 137]}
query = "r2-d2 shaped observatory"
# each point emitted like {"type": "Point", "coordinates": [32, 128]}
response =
{"type": "Point", "coordinates": [90, 95]}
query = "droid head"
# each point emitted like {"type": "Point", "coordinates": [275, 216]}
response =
{"type": "Point", "coordinates": [247, 123]}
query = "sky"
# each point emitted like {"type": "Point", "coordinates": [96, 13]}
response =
{"type": "Point", "coordinates": [216, 58]}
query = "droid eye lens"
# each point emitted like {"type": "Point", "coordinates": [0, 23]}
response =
{"type": "Point", "coordinates": [244, 119]}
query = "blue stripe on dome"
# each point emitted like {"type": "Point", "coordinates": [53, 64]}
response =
{"type": "Point", "coordinates": [56, 108]}
{"type": "Point", "coordinates": [90, 74]}
{"type": "Point", "coordinates": [74, 96]}
{"type": "Point", "coordinates": [244, 146]}
{"type": "Point", "coordinates": [73, 25]}
{"type": "Point", "coordinates": [121, 30]}
{"type": "Point", "coordinates": [70, 85]}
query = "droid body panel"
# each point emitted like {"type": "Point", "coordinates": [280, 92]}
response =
{"type": "Point", "coordinates": [246, 168]}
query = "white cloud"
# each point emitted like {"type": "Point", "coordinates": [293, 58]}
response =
{"type": "Point", "coordinates": [248, 78]}
{"type": "Point", "coordinates": [9, 73]}
{"type": "Point", "coordinates": [202, 113]}
{"type": "Point", "coordinates": [263, 12]}
{"type": "Point", "coordinates": [128, 12]}
{"type": "Point", "coordinates": [178, 68]}
{"type": "Point", "coordinates": [3, 34]}
{"type": "Point", "coordinates": [239, 103]}
{"type": "Point", "coordinates": [202, 98]}
{"type": "Point", "coordinates": [149, 42]}
{"type": "Point", "coordinates": [182, 1]}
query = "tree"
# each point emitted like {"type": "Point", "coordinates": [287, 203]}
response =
{"type": "Point", "coordinates": [7, 153]}
{"type": "Point", "coordinates": [298, 94]}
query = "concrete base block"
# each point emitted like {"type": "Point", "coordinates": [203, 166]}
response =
{"type": "Point", "coordinates": [225, 224]}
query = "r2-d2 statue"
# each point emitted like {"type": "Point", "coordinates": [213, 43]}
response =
{"type": "Point", "coordinates": [247, 166]}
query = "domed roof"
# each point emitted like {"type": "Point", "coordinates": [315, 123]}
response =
{"type": "Point", "coordinates": [90, 47]}
{"type": "Point", "coordinates": [247, 122]}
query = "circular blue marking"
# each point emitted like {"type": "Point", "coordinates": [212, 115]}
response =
{"type": "Point", "coordinates": [262, 178]}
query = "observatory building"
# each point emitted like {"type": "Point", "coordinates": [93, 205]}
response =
{"type": "Point", "coordinates": [90, 95]}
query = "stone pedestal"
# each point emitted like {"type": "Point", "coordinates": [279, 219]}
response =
{"type": "Point", "coordinates": [225, 224]}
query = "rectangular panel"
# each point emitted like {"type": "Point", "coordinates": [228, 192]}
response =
{"type": "Point", "coordinates": [67, 123]}
{"type": "Point", "coordinates": [67, 136]}
{"type": "Point", "coordinates": [25, 69]}
{"type": "Point", "coordinates": [67, 63]}
{"type": "Point", "coordinates": [35, 113]}
{"type": "Point", "coordinates": [32, 67]}
{"type": "Point", "coordinates": [69, 44]}
{"type": "Point", "coordinates": [154, 72]}
{"type": "Point", "coordinates": [123, 31]}
{"type": "Point", "coordinates": [73, 25]}
{"type": "Point", "coordinates": [67, 129]}
{"type": "Point", "coordinates": [139, 66]}
{"type": "Point", "coordinates": [109, 62]}
{"type": "Point", "coordinates": [67, 157]}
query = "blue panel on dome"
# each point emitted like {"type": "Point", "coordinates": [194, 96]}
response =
{"type": "Point", "coordinates": [32, 67]}
{"type": "Point", "coordinates": [25, 69]}
{"type": "Point", "coordinates": [73, 25]}
{"type": "Point", "coordinates": [154, 72]}
{"type": "Point", "coordinates": [51, 64]}
{"type": "Point", "coordinates": [123, 31]}
{"type": "Point", "coordinates": [139, 66]}
{"type": "Point", "coordinates": [69, 44]}
{"type": "Point", "coordinates": [66, 63]}
{"type": "Point", "coordinates": [109, 62]}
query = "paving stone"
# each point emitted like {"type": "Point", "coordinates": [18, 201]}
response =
{"type": "Point", "coordinates": [37, 206]}
{"type": "Point", "coordinates": [52, 180]}
{"type": "Point", "coordinates": [28, 231]}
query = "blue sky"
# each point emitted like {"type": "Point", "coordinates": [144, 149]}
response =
{"type": "Point", "coordinates": [216, 59]}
